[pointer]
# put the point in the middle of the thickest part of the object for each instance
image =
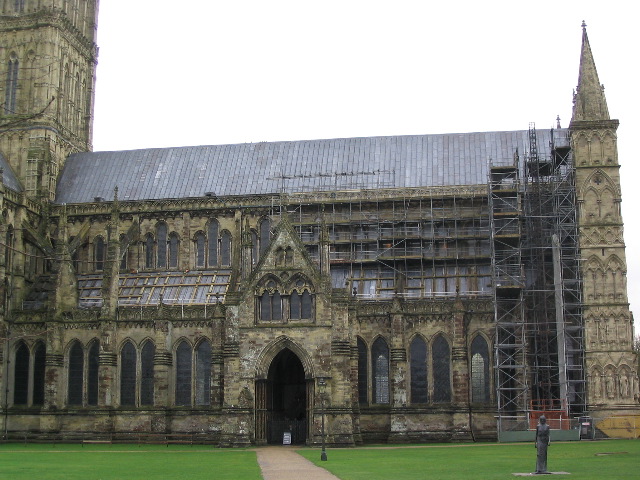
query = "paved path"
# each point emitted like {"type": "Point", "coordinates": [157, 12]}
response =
{"type": "Point", "coordinates": [283, 463]}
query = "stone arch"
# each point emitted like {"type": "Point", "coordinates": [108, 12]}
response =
{"type": "Point", "coordinates": [609, 148]}
{"type": "Point", "coordinates": [124, 341]}
{"type": "Point", "coordinates": [595, 149]}
{"type": "Point", "coordinates": [591, 206]}
{"type": "Point", "coordinates": [274, 348]}
{"type": "Point", "coordinates": [178, 341]}
{"type": "Point", "coordinates": [70, 344]}
{"type": "Point", "coordinates": [608, 204]}
{"type": "Point", "coordinates": [293, 283]}
{"type": "Point", "coordinates": [269, 283]}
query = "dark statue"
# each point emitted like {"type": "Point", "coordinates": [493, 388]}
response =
{"type": "Point", "coordinates": [543, 439]}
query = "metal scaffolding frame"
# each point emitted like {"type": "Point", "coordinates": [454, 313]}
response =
{"type": "Point", "coordinates": [539, 347]}
{"type": "Point", "coordinates": [510, 366]}
{"type": "Point", "coordinates": [418, 243]}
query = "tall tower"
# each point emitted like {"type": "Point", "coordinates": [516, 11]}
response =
{"type": "Point", "coordinates": [612, 384]}
{"type": "Point", "coordinates": [48, 58]}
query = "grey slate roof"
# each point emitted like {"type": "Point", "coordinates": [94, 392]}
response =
{"type": "Point", "coordinates": [298, 166]}
{"type": "Point", "coordinates": [8, 177]}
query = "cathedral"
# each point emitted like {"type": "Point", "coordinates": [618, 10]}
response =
{"type": "Point", "coordinates": [355, 290]}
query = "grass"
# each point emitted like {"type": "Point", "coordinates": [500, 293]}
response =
{"type": "Point", "coordinates": [445, 461]}
{"type": "Point", "coordinates": [482, 461]}
{"type": "Point", "coordinates": [125, 462]}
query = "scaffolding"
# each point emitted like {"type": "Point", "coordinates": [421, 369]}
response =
{"type": "Point", "coordinates": [408, 243]}
{"type": "Point", "coordinates": [553, 293]}
{"type": "Point", "coordinates": [510, 364]}
{"type": "Point", "coordinates": [539, 347]}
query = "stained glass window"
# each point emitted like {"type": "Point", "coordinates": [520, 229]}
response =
{"type": "Point", "coordinates": [212, 235]}
{"type": "Point", "coordinates": [441, 370]}
{"type": "Point", "coordinates": [203, 374]}
{"type": "Point", "coordinates": [76, 367]}
{"type": "Point", "coordinates": [380, 373]}
{"type": "Point", "coordinates": [128, 374]}
{"type": "Point", "coordinates": [183, 374]}
{"type": "Point", "coordinates": [161, 232]}
{"type": "Point", "coordinates": [39, 367]}
{"type": "Point", "coordinates": [146, 372]}
{"type": "Point", "coordinates": [225, 249]}
{"type": "Point", "coordinates": [418, 366]}
{"type": "Point", "coordinates": [479, 370]}
{"type": "Point", "coordinates": [21, 376]}
{"type": "Point", "coordinates": [200, 243]}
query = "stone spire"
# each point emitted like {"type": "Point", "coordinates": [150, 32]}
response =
{"type": "Point", "coordinates": [589, 102]}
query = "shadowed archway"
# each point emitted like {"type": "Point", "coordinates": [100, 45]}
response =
{"type": "Point", "coordinates": [282, 400]}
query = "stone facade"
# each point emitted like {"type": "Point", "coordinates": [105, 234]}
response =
{"type": "Point", "coordinates": [236, 318]}
{"type": "Point", "coordinates": [613, 382]}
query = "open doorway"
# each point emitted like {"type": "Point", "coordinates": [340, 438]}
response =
{"type": "Point", "coordinates": [281, 400]}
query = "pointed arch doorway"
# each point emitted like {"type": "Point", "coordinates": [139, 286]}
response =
{"type": "Point", "coordinates": [282, 401]}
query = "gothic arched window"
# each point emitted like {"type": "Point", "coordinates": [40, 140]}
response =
{"type": "Point", "coordinates": [418, 370]}
{"type": "Point", "coordinates": [124, 253]}
{"type": "Point", "coordinates": [203, 374]}
{"type": "Point", "coordinates": [265, 235]}
{"type": "Point", "coordinates": [441, 361]}
{"type": "Point", "coordinates": [362, 372]}
{"type": "Point", "coordinates": [21, 376]}
{"type": "Point", "coordinates": [146, 373]}
{"type": "Point", "coordinates": [271, 306]}
{"type": "Point", "coordinates": [149, 251]}
{"type": "Point", "coordinates": [212, 235]}
{"type": "Point", "coordinates": [76, 373]}
{"type": "Point", "coordinates": [11, 87]}
{"type": "Point", "coordinates": [380, 371]}
{"type": "Point", "coordinates": [183, 374]}
{"type": "Point", "coordinates": [161, 235]}
{"type": "Point", "coordinates": [225, 249]}
{"type": "Point", "coordinates": [39, 368]}
{"type": "Point", "coordinates": [479, 370]}
{"type": "Point", "coordinates": [200, 241]}
{"type": "Point", "coordinates": [254, 248]}
{"type": "Point", "coordinates": [174, 244]}
{"type": "Point", "coordinates": [128, 368]}
{"type": "Point", "coordinates": [99, 253]}
{"type": "Point", "coordinates": [92, 373]}
{"type": "Point", "coordinates": [300, 305]}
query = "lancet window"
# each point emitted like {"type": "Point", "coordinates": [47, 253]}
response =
{"type": "Point", "coordinates": [193, 374]}
{"type": "Point", "coordinates": [29, 371]}
{"type": "Point", "coordinates": [82, 374]}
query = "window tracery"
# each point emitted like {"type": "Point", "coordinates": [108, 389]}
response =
{"type": "Point", "coordinates": [480, 379]}
{"type": "Point", "coordinates": [441, 361]}
{"type": "Point", "coordinates": [277, 302]}
{"type": "Point", "coordinates": [28, 387]}
{"type": "Point", "coordinates": [418, 370]}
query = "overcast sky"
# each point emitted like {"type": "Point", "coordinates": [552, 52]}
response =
{"type": "Point", "coordinates": [214, 72]}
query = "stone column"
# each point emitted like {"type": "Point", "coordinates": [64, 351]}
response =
{"type": "Point", "coordinates": [162, 364]}
{"type": "Point", "coordinates": [54, 394]}
{"type": "Point", "coordinates": [398, 375]}
{"type": "Point", "coordinates": [460, 374]}
{"type": "Point", "coordinates": [107, 368]}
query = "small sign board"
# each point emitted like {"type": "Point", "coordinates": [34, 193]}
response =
{"type": "Point", "coordinates": [286, 438]}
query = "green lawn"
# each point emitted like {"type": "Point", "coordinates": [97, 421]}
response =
{"type": "Point", "coordinates": [483, 461]}
{"type": "Point", "coordinates": [125, 462]}
{"type": "Point", "coordinates": [441, 462]}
